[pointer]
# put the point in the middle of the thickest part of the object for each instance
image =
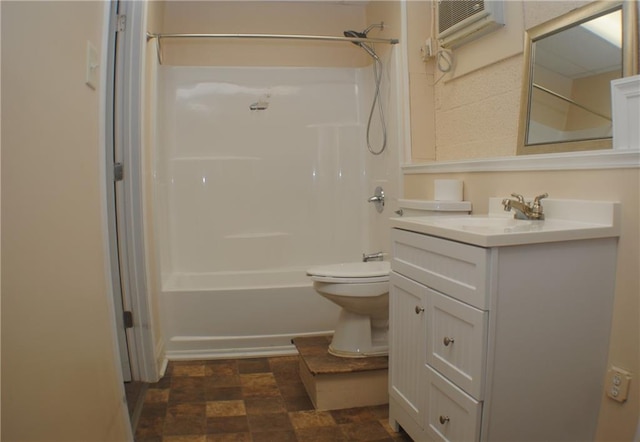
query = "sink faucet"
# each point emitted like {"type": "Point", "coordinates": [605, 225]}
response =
{"type": "Point", "coordinates": [372, 256]}
{"type": "Point", "coordinates": [524, 210]}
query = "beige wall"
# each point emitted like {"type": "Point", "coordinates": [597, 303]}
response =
{"type": "Point", "coordinates": [262, 17]}
{"type": "Point", "coordinates": [464, 109]}
{"type": "Point", "coordinates": [59, 378]}
{"type": "Point", "coordinates": [475, 107]}
{"type": "Point", "coordinates": [388, 13]}
{"type": "Point", "coordinates": [594, 93]}
{"type": "Point", "coordinates": [476, 116]}
{"type": "Point", "coordinates": [421, 80]}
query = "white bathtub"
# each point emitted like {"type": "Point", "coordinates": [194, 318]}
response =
{"type": "Point", "coordinates": [241, 314]}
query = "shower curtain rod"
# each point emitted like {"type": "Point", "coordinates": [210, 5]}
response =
{"type": "Point", "coordinates": [159, 37]}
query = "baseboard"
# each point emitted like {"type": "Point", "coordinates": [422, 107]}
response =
{"type": "Point", "coordinates": [231, 353]}
{"type": "Point", "coordinates": [160, 358]}
{"type": "Point", "coordinates": [214, 347]}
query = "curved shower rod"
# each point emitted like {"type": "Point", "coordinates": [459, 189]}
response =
{"type": "Point", "coordinates": [159, 37]}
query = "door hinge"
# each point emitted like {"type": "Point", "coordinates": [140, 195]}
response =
{"type": "Point", "coordinates": [128, 319]}
{"type": "Point", "coordinates": [122, 23]}
{"type": "Point", "coordinates": [118, 172]}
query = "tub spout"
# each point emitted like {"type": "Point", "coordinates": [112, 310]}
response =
{"type": "Point", "coordinates": [378, 256]}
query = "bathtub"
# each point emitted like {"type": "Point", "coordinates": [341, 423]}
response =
{"type": "Point", "coordinates": [241, 314]}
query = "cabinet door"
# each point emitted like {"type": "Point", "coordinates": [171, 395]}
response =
{"type": "Point", "coordinates": [456, 343]}
{"type": "Point", "coordinates": [451, 414]}
{"type": "Point", "coordinates": [407, 343]}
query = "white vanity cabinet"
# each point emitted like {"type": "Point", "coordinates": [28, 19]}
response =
{"type": "Point", "coordinates": [505, 343]}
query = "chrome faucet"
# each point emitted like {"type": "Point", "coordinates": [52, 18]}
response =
{"type": "Point", "coordinates": [379, 256]}
{"type": "Point", "coordinates": [524, 210]}
{"type": "Point", "coordinates": [378, 199]}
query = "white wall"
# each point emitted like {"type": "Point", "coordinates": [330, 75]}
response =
{"type": "Point", "coordinates": [60, 380]}
{"type": "Point", "coordinates": [243, 190]}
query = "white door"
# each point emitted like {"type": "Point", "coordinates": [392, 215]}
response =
{"type": "Point", "coordinates": [114, 153]}
{"type": "Point", "coordinates": [129, 41]}
{"type": "Point", "coordinates": [407, 302]}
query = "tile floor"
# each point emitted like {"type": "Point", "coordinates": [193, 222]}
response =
{"type": "Point", "coordinates": [249, 400]}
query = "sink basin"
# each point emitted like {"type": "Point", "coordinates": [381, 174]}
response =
{"type": "Point", "coordinates": [489, 223]}
{"type": "Point", "coordinates": [565, 220]}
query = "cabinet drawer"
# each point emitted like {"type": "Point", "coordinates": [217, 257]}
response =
{"type": "Point", "coordinates": [452, 415]}
{"type": "Point", "coordinates": [459, 270]}
{"type": "Point", "coordinates": [456, 341]}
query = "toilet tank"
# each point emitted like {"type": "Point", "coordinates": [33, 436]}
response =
{"type": "Point", "coordinates": [433, 208]}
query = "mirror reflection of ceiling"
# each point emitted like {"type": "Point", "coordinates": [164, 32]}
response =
{"type": "Point", "coordinates": [570, 62]}
{"type": "Point", "coordinates": [581, 52]}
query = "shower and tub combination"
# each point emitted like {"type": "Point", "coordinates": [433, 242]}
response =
{"type": "Point", "coordinates": [260, 174]}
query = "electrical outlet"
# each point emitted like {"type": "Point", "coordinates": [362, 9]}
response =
{"type": "Point", "coordinates": [427, 49]}
{"type": "Point", "coordinates": [617, 384]}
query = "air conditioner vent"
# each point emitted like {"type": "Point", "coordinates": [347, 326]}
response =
{"type": "Point", "coordinates": [453, 12]}
{"type": "Point", "coordinates": [460, 21]}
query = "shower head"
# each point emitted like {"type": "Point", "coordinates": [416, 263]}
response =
{"type": "Point", "coordinates": [355, 34]}
{"type": "Point", "coordinates": [366, 47]}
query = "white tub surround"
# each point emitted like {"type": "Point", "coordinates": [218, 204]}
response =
{"type": "Point", "coordinates": [260, 174]}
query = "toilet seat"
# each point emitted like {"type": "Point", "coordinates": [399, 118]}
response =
{"type": "Point", "coordinates": [352, 272]}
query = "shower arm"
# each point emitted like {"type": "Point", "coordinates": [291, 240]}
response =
{"type": "Point", "coordinates": [160, 37]}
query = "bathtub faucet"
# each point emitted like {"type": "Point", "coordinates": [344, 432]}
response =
{"type": "Point", "coordinates": [372, 256]}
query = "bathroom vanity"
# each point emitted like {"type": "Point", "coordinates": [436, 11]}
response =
{"type": "Point", "coordinates": [499, 328]}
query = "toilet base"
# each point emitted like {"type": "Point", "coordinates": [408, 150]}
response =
{"type": "Point", "coordinates": [359, 336]}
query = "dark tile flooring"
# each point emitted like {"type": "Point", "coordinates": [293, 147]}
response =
{"type": "Point", "coordinates": [249, 400]}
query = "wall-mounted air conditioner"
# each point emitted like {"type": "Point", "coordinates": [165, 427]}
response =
{"type": "Point", "coordinates": [460, 21]}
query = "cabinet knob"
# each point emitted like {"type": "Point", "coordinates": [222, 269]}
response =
{"type": "Point", "coordinates": [444, 419]}
{"type": "Point", "coordinates": [447, 340]}
{"type": "Point", "coordinates": [419, 309]}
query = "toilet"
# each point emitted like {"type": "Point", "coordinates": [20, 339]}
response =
{"type": "Point", "coordinates": [362, 290]}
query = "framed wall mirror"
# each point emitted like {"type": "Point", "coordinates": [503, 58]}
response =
{"type": "Point", "coordinates": [570, 62]}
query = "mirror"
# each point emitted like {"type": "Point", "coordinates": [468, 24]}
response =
{"type": "Point", "coordinates": [569, 64]}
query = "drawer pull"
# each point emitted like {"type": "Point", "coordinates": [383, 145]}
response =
{"type": "Point", "coordinates": [447, 340]}
{"type": "Point", "coordinates": [419, 309]}
{"type": "Point", "coordinates": [444, 419]}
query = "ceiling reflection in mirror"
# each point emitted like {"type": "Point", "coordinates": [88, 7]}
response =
{"type": "Point", "coordinates": [570, 62]}
{"type": "Point", "coordinates": [573, 69]}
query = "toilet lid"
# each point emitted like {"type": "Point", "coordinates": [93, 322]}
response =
{"type": "Point", "coordinates": [372, 271]}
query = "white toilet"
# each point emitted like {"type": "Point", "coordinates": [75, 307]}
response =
{"type": "Point", "coordinates": [362, 290]}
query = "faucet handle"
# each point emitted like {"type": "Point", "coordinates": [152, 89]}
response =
{"type": "Point", "coordinates": [519, 197]}
{"type": "Point", "coordinates": [536, 207]}
{"type": "Point", "coordinates": [536, 200]}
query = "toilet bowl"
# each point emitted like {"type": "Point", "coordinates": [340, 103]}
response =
{"type": "Point", "coordinates": [362, 290]}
